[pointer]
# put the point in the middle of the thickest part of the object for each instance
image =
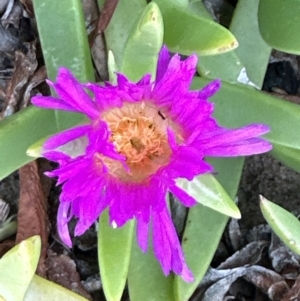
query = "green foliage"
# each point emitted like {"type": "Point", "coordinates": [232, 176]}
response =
{"type": "Point", "coordinates": [288, 155]}
{"type": "Point", "coordinates": [231, 66]}
{"type": "Point", "coordinates": [146, 280]}
{"type": "Point", "coordinates": [283, 223]}
{"type": "Point", "coordinates": [206, 190]}
{"type": "Point", "coordinates": [20, 131]}
{"type": "Point", "coordinates": [279, 24]}
{"type": "Point", "coordinates": [253, 51]}
{"type": "Point", "coordinates": [188, 33]}
{"type": "Point", "coordinates": [18, 267]}
{"type": "Point", "coordinates": [126, 15]}
{"type": "Point", "coordinates": [42, 289]}
{"type": "Point", "coordinates": [143, 45]}
{"type": "Point", "coordinates": [18, 281]}
{"type": "Point", "coordinates": [63, 37]}
{"type": "Point", "coordinates": [114, 249]}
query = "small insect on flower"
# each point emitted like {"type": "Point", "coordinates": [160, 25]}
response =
{"type": "Point", "coordinates": [139, 139]}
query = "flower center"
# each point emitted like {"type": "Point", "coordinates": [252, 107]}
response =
{"type": "Point", "coordinates": [138, 132]}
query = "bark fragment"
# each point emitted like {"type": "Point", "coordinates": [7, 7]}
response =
{"type": "Point", "coordinates": [32, 214]}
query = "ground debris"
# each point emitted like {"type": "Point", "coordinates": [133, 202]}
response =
{"type": "Point", "coordinates": [262, 278]}
{"type": "Point", "coordinates": [28, 6]}
{"type": "Point", "coordinates": [25, 66]}
{"type": "Point", "coordinates": [32, 214]}
{"type": "Point", "coordinates": [284, 261]}
{"type": "Point", "coordinates": [98, 46]}
{"type": "Point", "coordinates": [250, 254]}
{"type": "Point", "coordinates": [61, 269]}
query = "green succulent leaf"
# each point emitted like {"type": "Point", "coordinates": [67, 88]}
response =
{"type": "Point", "coordinates": [244, 26]}
{"type": "Point", "coordinates": [143, 45]}
{"type": "Point", "coordinates": [283, 223]}
{"type": "Point", "coordinates": [188, 33]}
{"type": "Point", "coordinates": [49, 291]}
{"type": "Point", "coordinates": [63, 37]}
{"type": "Point", "coordinates": [114, 249]}
{"type": "Point", "coordinates": [288, 155]}
{"type": "Point", "coordinates": [198, 8]}
{"type": "Point", "coordinates": [206, 190]}
{"type": "Point", "coordinates": [20, 131]}
{"type": "Point", "coordinates": [126, 15]}
{"type": "Point", "coordinates": [279, 24]}
{"type": "Point", "coordinates": [17, 268]}
{"type": "Point", "coordinates": [146, 280]}
{"type": "Point", "coordinates": [226, 66]}
{"type": "Point", "coordinates": [205, 227]}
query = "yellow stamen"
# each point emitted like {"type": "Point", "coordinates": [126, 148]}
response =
{"type": "Point", "coordinates": [138, 132]}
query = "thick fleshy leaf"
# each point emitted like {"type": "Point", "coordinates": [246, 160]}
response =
{"type": "Point", "coordinates": [206, 190]}
{"type": "Point", "coordinates": [244, 26]}
{"type": "Point", "coordinates": [283, 223]}
{"type": "Point", "coordinates": [205, 227]}
{"type": "Point", "coordinates": [35, 150]}
{"type": "Point", "coordinates": [17, 268]}
{"type": "Point", "coordinates": [226, 66]}
{"type": "Point", "coordinates": [143, 45]}
{"type": "Point", "coordinates": [279, 24]}
{"type": "Point", "coordinates": [42, 289]}
{"type": "Point", "coordinates": [289, 156]}
{"type": "Point", "coordinates": [146, 280]}
{"type": "Point", "coordinates": [187, 33]}
{"type": "Point", "coordinates": [236, 106]}
{"type": "Point", "coordinates": [120, 26]}
{"type": "Point", "coordinates": [20, 131]}
{"type": "Point", "coordinates": [63, 37]}
{"type": "Point", "coordinates": [198, 8]}
{"type": "Point", "coordinates": [114, 249]}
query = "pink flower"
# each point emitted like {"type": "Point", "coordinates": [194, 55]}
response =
{"type": "Point", "coordinates": [138, 139]}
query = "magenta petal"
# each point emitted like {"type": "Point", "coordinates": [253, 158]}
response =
{"type": "Point", "coordinates": [49, 102]}
{"type": "Point", "coordinates": [210, 89]}
{"type": "Point", "coordinates": [142, 234]}
{"type": "Point", "coordinates": [176, 79]}
{"type": "Point", "coordinates": [246, 148]}
{"type": "Point", "coordinates": [106, 97]}
{"type": "Point", "coordinates": [223, 137]}
{"type": "Point", "coordinates": [88, 213]}
{"type": "Point", "coordinates": [62, 223]}
{"type": "Point", "coordinates": [69, 171]}
{"type": "Point", "coordinates": [57, 156]}
{"type": "Point", "coordinates": [161, 244]}
{"type": "Point", "coordinates": [167, 247]}
{"type": "Point", "coordinates": [163, 62]}
{"type": "Point", "coordinates": [66, 136]}
{"type": "Point", "coordinates": [72, 92]}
